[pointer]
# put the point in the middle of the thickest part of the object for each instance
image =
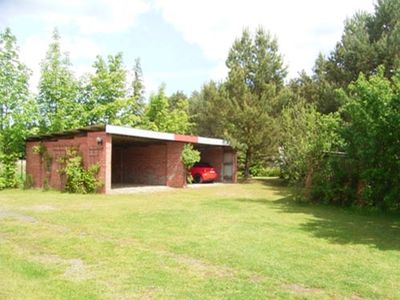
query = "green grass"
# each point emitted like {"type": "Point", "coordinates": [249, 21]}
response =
{"type": "Point", "coordinates": [244, 241]}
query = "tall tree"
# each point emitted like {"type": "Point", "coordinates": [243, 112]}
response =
{"type": "Point", "coordinates": [108, 85]}
{"type": "Point", "coordinates": [58, 91]}
{"type": "Point", "coordinates": [132, 107]}
{"type": "Point", "coordinates": [368, 41]}
{"type": "Point", "coordinates": [15, 103]}
{"type": "Point", "coordinates": [137, 83]}
{"type": "Point", "coordinates": [255, 79]}
{"type": "Point", "coordinates": [317, 89]}
{"type": "Point", "coordinates": [109, 100]}
{"type": "Point", "coordinates": [354, 53]}
{"type": "Point", "coordinates": [176, 99]}
{"type": "Point", "coordinates": [159, 116]}
{"type": "Point", "coordinates": [207, 110]}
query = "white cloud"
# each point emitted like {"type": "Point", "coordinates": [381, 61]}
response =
{"type": "Point", "coordinates": [90, 16]}
{"type": "Point", "coordinates": [34, 48]}
{"type": "Point", "coordinates": [77, 21]}
{"type": "Point", "coordinates": [32, 52]}
{"type": "Point", "coordinates": [303, 28]}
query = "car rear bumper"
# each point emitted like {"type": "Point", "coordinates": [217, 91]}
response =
{"type": "Point", "coordinates": [207, 177]}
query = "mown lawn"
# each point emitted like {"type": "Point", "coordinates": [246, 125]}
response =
{"type": "Point", "coordinates": [244, 241]}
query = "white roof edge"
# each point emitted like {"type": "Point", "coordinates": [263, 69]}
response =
{"type": "Point", "coordinates": [129, 131]}
{"type": "Point", "coordinates": [212, 141]}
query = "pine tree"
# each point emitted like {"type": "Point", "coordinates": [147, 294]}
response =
{"type": "Point", "coordinates": [256, 77]}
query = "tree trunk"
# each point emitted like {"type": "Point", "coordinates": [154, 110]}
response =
{"type": "Point", "coordinates": [247, 163]}
{"type": "Point", "coordinates": [308, 182]}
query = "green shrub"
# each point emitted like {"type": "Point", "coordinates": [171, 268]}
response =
{"type": "Point", "coordinates": [335, 182]}
{"type": "Point", "coordinates": [372, 134]}
{"type": "Point", "coordinates": [189, 157]}
{"type": "Point", "coordinates": [78, 179]}
{"type": "Point", "coordinates": [264, 171]}
{"type": "Point", "coordinates": [8, 171]}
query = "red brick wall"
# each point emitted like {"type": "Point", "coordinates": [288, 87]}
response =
{"type": "Point", "coordinates": [139, 164]}
{"type": "Point", "coordinates": [87, 145]}
{"type": "Point", "coordinates": [176, 175]}
{"type": "Point", "coordinates": [33, 165]}
{"type": "Point", "coordinates": [116, 164]}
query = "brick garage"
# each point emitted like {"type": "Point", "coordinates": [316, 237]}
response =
{"type": "Point", "coordinates": [127, 156]}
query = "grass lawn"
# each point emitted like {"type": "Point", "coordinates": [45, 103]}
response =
{"type": "Point", "coordinates": [244, 241]}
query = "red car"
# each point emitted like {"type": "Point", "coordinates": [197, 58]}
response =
{"type": "Point", "coordinates": [203, 172]}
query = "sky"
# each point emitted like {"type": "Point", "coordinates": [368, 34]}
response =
{"type": "Point", "coordinates": [181, 43]}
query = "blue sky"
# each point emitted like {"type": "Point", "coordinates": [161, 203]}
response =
{"type": "Point", "coordinates": [181, 43]}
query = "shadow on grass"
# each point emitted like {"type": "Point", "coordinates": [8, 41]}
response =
{"type": "Point", "coordinates": [340, 225]}
{"type": "Point", "coordinates": [274, 184]}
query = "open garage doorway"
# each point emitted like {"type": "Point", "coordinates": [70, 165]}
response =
{"type": "Point", "coordinates": [138, 162]}
{"type": "Point", "coordinates": [222, 159]}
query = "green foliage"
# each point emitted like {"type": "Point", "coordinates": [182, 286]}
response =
{"type": "Point", "coordinates": [107, 86]}
{"type": "Point", "coordinates": [58, 90]}
{"type": "Point", "coordinates": [367, 172]}
{"type": "Point", "coordinates": [255, 79]}
{"type": "Point", "coordinates": [15, 109]}
{"type": "Point", "coordinates": [8, 171]}
{"type": "Point", "coordinates": [189, 157]}
{"type": "Point", "coordinates": [77, 178]}
{"type": "Point", "coordinates": [372, 134]}
{"type": "Point", "coordinates": [106, 96]}
{"type": "Point", "coordinates": [176, 99]}
{"type": "Point", "coordinates": [336, 182]}
{"type": "Point", "coordinates": [159, 116]}
{"type": "Point", "coordinates": [258, 170]}
{"type": "Point", "coordinates": [368, 40]}
{"type": "Point", "coordinates": [317, 89]}
{"type": "Point", "coordinates": [307, 137]}
{"type": "Point", "coordinates": [208, 110]}
{"type": "Point", "coordinates": [15, 104]}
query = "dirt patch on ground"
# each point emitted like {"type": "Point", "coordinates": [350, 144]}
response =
{"type": "Point", "coordinates": [201, 267]}
{"type": "Point", "coordinates": [206, 185]}
{"type": "Point", "coordinates": [355, 297]}
{"type": "Point", "coordinates": [301, 289]}
{"type": "Point", "coordinates": [256, 278]}
{"type": "Point", "coordinates": [196, 266]}
{"type": "Point", "coordinates": [4, 214]}
{"type": "Point", "coordinates": [75, 269]}
{"type": "Point", "coordinates": [41, 208]}
{"type": "Point", "coordinates": [148, 293]}
{"type": "Point", "coordinates": [139, 189]}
